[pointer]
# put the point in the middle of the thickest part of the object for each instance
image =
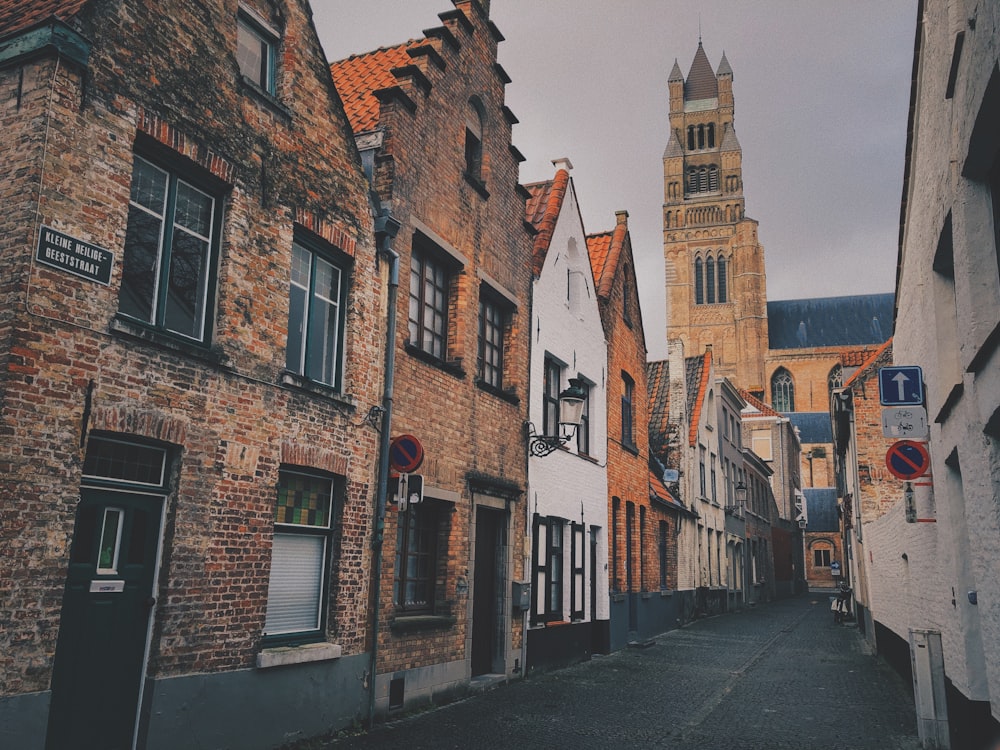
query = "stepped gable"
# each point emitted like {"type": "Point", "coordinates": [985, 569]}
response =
{"type": "Point", "coordinates": [16, 15]}
{"type": "Point", "coordinates": [701, 82]}
{"type": "Point", "coordinates": [542, 211]}
{"type": "Point", "coordinates": [830, 321]}
{"type": "Point", "coordinates": [757, 404]}
{"type": "Point", "coordinates": [359, 77]}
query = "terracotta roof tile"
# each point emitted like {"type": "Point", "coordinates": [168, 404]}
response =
{"type": "Point", "coordinates": [598, 246]}
{"type": "Point", "coordinates": [542, 211]}
{"type": "Point", "coordinates": [358, 77]}
{"type": "Point", "coordinates": [697, 373]}
{"type": "Point", "coordinates": [873, 357]}
{"type": "Point", "coordinates": [757, 404]}
{"type": "Point", "coordinates": [605, 253]}
{"type": "Point", "coordinates": [658, 379]}
{"type": "Point", "coordinates": [20, 14]}
{"type": "Point", "coordinates": [658, 490]}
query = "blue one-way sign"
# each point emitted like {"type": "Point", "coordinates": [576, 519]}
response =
{"type": "Point", "coordinates": [901, 386]}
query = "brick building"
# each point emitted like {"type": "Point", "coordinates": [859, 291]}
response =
{"type": "Point", "coordinates": [567, 478]}
{"type": "Point", "coordinates": [639, 528]}
{"type": "Point", "coordinates": [192, 310]}
{"type": "Point", "coordinates": [435, 136]}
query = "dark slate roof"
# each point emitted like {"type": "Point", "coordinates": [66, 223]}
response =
{"type": "Point", "coordinates": [830, 321]}
{"type": "Point", "coordinates": [813, 426]}
{"type": "Point", "coordinates": [725, 69]}
{"type": "Point", "coordinates": [701, 82]}
{"type": "Point", "coordinates": [821, 509]}
{"type": "Point", "coordinates": [675, 73]}
{"type": "Point", "coordinates": [658, 384]}
{"type": "Point", "coordinates": [693, 368]}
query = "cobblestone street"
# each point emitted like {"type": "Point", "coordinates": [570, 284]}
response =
{"type": "Point", "coordinates": [780, 676]}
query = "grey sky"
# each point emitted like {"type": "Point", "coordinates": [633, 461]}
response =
{"type": "Point", "coordinates": [821, 92]}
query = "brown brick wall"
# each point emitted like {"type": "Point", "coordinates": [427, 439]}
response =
{"type": "Point", "coordinates": [472, 438]}
{"type": "Point", "coordinates": [69, 366]}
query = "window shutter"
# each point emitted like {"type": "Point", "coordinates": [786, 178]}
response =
{"type": "Point", "coordinates": [296, 585]}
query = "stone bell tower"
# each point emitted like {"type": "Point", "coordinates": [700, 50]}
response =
{"type": "Point", "coordinates": [715, 282]}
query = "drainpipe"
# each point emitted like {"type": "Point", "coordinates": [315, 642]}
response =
{"type": "Point", "coordinates": [386, 228]}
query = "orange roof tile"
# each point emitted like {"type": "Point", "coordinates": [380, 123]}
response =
{"type": "Point", "coordinates": [868, 362]}
{"type": "Point", "coordinates": [605, 253]}
{"type": "Point", "coordinates": [542, 211]}
{"type": "Point", "coordinates": [358, 77]}
{"type": "Point", "coordinates": [757, 404]}
{"type": "Point", "coordinates": [659, 490]}
{"type": "Point", "coordinates": [702, 368]}
{"type": "Point", "coordinates": [598, 246]}
{"type": "Point", "coordinates": [16, 15]}
{"type": "Point", "coordinates": [658, 380]}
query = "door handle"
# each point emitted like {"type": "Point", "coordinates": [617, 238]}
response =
{"type": "Point", "coordinates": [149, 602]}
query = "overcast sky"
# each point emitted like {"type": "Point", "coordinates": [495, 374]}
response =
{"type": "Point", "coordinates": [821, 91]}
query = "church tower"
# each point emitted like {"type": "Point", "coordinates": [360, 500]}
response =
{"type": "Point", "coordinates": [716, 287]}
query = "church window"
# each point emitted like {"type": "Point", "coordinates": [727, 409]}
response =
{"type": "Point", "coordinates": [690, 137]}
{"type": "Point", "coordinates": [702, 180]}
{"type": "Point", "coordinates": [699, 282]}
{"type": "Point", "coordinates": [782, 391]}
{"type": "Point", "coordinates": [713, 179]}
{"type": "Point", "coordinates": [711, 135]}
{"type": "Point", "coordinates": [721, 273]}
{"type": "Point", "coordinates": [836, 378]}
{"type": "Point", "coordinates": [710, 280]}
{"type": "Point", "coordinates": [701, 136]}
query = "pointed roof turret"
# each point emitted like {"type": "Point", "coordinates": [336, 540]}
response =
{"type": "Point", "coordinates": [674, 147]}
{"type": "Point", "coordinates": [729, 140]}
{"type": "Point", "coordinates": [724, 67]}
{"type": "Point", "coordinates": [701, 82]}
{"type": "Point", "coordinates": [675, 73]}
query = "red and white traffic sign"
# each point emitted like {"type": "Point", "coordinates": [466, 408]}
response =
{"type": "Point", "coordinates": [907, 459]}
{"type": "Point", "coordinates": [405, 454]}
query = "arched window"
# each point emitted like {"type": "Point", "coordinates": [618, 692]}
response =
{"type": "Point", "coordinates": [702, 180]}
{"type": "Point", "coordinates": [835, 379]}
{"type": "Point", "coordinates": [721, 273]}
{"type": "Point", "coordinates": [701, 136]}
{"type": "Point", "coordinates": [782, 391]}
{"type": "Point", "coordinates": [690, 137]}
{"type": "Point", "coordinates": [711, 135]}
{"type": "Point", "coordinates": [713, 179]}
{"type": "Point", "coordinates": [699, 282]}
{"type": "Point", "coordinates": [692, 180]}
{"type": "Point", "coordinates": [710, 280]}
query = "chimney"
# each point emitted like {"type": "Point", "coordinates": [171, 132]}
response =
{"type": "Point", "coordinates": [622, 218]}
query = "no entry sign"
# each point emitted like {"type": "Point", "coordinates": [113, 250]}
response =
{"type": "Point", "coordinates": [406, 454]}
{"type": "Point", "coordinates": [907, 459]}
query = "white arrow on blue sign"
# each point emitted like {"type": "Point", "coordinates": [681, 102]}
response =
{"type": "Point", "coordinates": [901, 386]}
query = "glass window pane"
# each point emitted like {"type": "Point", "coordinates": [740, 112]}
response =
{"type": "Point", "coordinates": [125, 462]}
{"type": "Point", "coordinates": [187, 283]}
{"type": "Point", "coordinates": [251, 54]}
{"type": "Point", "coordinates": [304, 500]}
{"type": "Point", "coordinates": [140, 265]}
{"type": "Point", "coordinates": [111, 531]}
{"type": "Point", "coordinates": [149, 187]}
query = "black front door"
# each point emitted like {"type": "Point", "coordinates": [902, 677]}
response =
{"type": "Point", "coordinates": [105, 621]}
{"type": "Point", "coordinates": [487, 602]}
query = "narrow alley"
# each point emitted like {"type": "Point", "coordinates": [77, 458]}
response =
{"type": "Point", "coordinates": [781, 676]}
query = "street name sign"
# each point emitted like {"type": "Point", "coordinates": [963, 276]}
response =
{"type": "Point", "coordinates": [901, 386]}
{"type": "Point", "coordinates": [905, 422]}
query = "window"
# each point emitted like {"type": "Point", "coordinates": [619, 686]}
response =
{"type": "Point", "coordinates": [417, 557]}
{"type": "Point", "coordinates": [701, 470]}
{"type": "Point", "coordinates": [317, 295]}
{"type": "Point", "coordinates": [300, 556]}
{"type": "Point", "coordinates": [616, 504]}
{"type": "Point", "coordinates": [548, 569]}
{"type": "Point", "coordinates": [474, 142]}
{"type": "Point", "coordinates": [821, 557]}
{"type": "Point", "coordinates": [255, 52]}
{"type": "Point", "coordinates": [699, 281]}
{"type": "Point", "coordinates": [492, 322]}
{"type": "Point", "coordinates": [428, 316]}
{"type": "Point", "coordinates": [663, 549]}
{"type": "Point", "coordinates": [714, 490]}
{"type": "Point", "coordinates": [550, 397]}
{"type": "Point", "coordinates": [721, 275]}
{"type": "Point", "coordinates": [782, 391]}
{"type": "Point", "coordinates": [170, 248]}
{"type": "Point", "coordinates": [628, 415]}
{"type": "Point", "coordinates": [583, 431]}
{"type": "Point", "coordinates": [835, 379]}
{"type": "Point", "coordinates": [642, 548]}
{"type": "Point", "coordinates": [710, 280]}
{"type": "Point", "coordinates": [578, 549]}
{"type": "Point", "coordinates": [626, 307]}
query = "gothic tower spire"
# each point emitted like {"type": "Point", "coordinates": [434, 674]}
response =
{"type": "Point", "coordinates": [716, 291]}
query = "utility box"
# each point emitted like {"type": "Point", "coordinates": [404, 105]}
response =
{"type": "Point", "coordinates": [521, 595]}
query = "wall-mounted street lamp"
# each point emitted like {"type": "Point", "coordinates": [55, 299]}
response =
{"type": "Point", "coordinates": [741, 493]}
{"type": "Point", "coordinates": [571, 403]}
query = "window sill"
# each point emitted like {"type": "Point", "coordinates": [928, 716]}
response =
{"type": "Point", "coordinates": [477, 184]}
{"type": "Point", "coordinates": [452, 368]}
{"type": "Point", "coordinates": [281, 656]}
{"type": "Point", "coordinates": [410, 623]}
{"type": "Point", "coordinates": [631, 448]}
{"type": "Point", "coordinates": [163, 340]}
{"type": "Point", "coordinates": [266, 98]}
{"type": "Point", "coordinates": [302, 383]}
{"type": "Point", "coordinates": [508, 395]}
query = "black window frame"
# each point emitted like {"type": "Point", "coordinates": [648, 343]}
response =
{"type": "Point", "coordinates": [628, 411]}
{"type": "Point", "coordinates": [494, 322]}
{"type": "Point", "coordinates": [578, 571]}
{"type": "Point", "coordinates": [583, 431]}
{"type": "Point", "coordinates": [418, 535]}
{"type": "Point", "coordinates": [265, 79]}
{"type": "Point", "coordinates": [318, 252]}
{"type": "Point", "coordinates": [551, 387]}
{"type": "Point", "coordinates": [167, 235]}
{"type": "Point", "coordinates": [548, 560]}
{"type": "Point", "coordinates": [664, 548]}
{"type": "Point", "coordinates": [421, 335]}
